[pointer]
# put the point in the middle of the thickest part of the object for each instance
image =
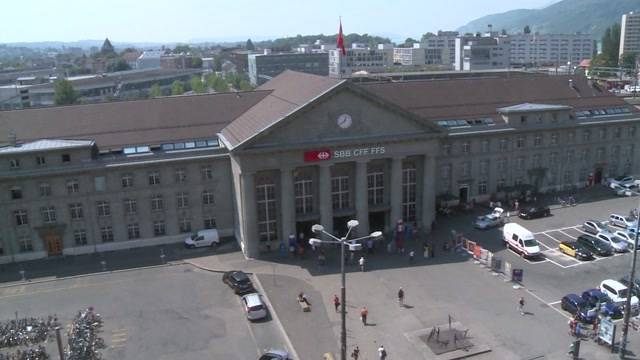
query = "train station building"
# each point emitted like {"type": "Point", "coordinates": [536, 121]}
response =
{"type": "Point", "coordinates": [299, 150]}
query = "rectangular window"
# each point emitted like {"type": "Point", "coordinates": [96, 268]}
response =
{"type": "Point", "coordinates": [80, 237]}
{"type": "Point", "coordinates": [73, 186]}
{"type": "Point", "coordinates": [537, 160]}
{"type": "Point", "coordinates": [603, 134]}
{"type": "Point", "coordinates": [185, 225]}
{"type": "Point", "coordinates": [133, 231]}
{"type": "Point", "coordinates": [14, 164]}
{"type": "Point", "coordinates": [45, 190]}
{"type": "Point", "coordinates": [16, 193]}
{"type": "Point", "coordinates": [484, 167]}
{"type": "Point", "coordinates": [130, 206]}
{"type": "Point", "coordinates": [154, 178]}
{"type": "Point", "coordinates": [500, 184]}
{"type": "Point", "coordinates": [482, 187]}
{"type": "Point", "coordinates": [207, 173]}
{"type": "Point", "coordinates": [568, 177]}
{"type": "Point", "coordinates": [465, 169]}
{"type": "Point", "coordinates": [537, 140]}
{"type": "Point", "coordinates": [586, 135]}
{"type": "Point", "coordinates": [181, 175]}
{"type": "Point", "coordinates": [106, 233]}
{"type": "Point", "coordinates": [182, 200]}
{"type": "Point", "coordinates": [554, 139]}
{"type": "Point", "coordinates": [209, 222]}
{"type": "Point", "coordinates": [375, 188]}
{"type": "Point", "coordinates": [207, 198]}
{"type": "Point", "coordinates": [41, 161]}
{"type": "Point", "coordinates": [157, 203]}
{"type": "Point", "coordinates": [504, 145]}
{"type": "Point", "coordinates": [159, 228]}
{"type": "Point", "coordinates": [520, 143]}
{"type": "Point", "coordinates": [25, 243]}
{"type": "Point", "coordinates": [502, 164]}
{"type": "Point", "coordinates": [100, 183]}
{"type": "Point", "coordinates": [409, 194]}
{"type": "Point", "coordinates": [631, 132]}
{"type": "Point", "coordinates": [617, 133]}
{"type": "Point", "coordinates": [553, 158]}
{"type": "Point", "coordinates": [466, 147]}
{"type": "Point", "coordinates": [340, 192]}
{"type": "Point", "coordinates": [66, 158]}
{"type": "Point", "coordinates": [127, 180]}
{"type": "Point", "coordinates": [520, 163]}
{"type": "Point", "coordinates": [485, 146]}
{"type": "Point", "coordinates": [75, 210]}
{"type": "Point", "coordinates": [104, 209]}
{"type": "Point", "coordinates": [446, 149]}
{"type": "Point", "coordinates": [48, 214]}
{"type": "Point", "coordinates": [267, 212]}
{"type": "Point", "coordinates": [303, 189]}
{"type": "Point", "coordinates": [21, 217]}
{"type": "Point", "coordinates": [571, 137]}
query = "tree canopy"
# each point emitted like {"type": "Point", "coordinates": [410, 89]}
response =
{"type": "Point", "coordinates": [64, 94]}
{"type": "Point", "coordinates": [249, 45]}
{"type": "Point", "coordinates": [155, 91]}
{"type": "Point", "coordinates": [197, 85]}
{"type": "Point", "coordinates": [217, 83]}
{"type": "Point", "coordinates": [527, 29]}
{"type": "Point", "coordinates": [177, 88]}
{"type": "Point", "coordinates": [286, 44]}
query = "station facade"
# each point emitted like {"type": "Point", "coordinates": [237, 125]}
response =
{"type": "Point", "coordinates": [299, 150]}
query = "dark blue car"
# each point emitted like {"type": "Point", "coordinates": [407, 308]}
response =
{"type": "Point", "coordinates": [595, 297]}
{"type": "Point", "coordinates": [574, 304]}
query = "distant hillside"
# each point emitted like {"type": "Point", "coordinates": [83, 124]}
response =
{"type": "Point", "coordinates": [566, 16]}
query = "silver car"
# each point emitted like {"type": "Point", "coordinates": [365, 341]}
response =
{"type": "Point", "coordinates": [628, 237]}
{"type": "Point", "coordinates": [617, 243]}
{"type": "Point", "coordinates": [595, 227]}
{"type": "Point", "coordinates": [490, 220]}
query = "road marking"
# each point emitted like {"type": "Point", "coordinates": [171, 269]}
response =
{"type": "Point", "coordinates": [119, 338]}
{"type": "Point", "coordinates": [562, 232]}
{"type": "Point", "coordinates": [553, 303]}
{"type": "Point", "coordinates": [74, 286]}
{"type": "Point", "coordinates": [552, 238]}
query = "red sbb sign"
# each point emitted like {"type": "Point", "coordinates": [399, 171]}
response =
{"type": "Point", "coordinates": [317, 155]}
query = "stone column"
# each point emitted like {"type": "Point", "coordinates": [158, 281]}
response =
{"type": "Point", "coordinates": [324, 197]}
{"type": "Point", "coordinates": [250, 239]}
{"type": "Point", "coordinates": [287, 206]}
{"type": "Point", "coordinates": [362, 201]}
{"type": "Point", "coordinates": [395, 188]}
{"type": "Point", "coordinates": [428, 192]}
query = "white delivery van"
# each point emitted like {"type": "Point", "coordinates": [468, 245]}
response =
{"type": "Point", "coordinates": [520, 240]}
{"type": "Point", "coordinates": [208, 237]}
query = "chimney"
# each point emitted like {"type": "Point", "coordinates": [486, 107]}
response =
{"type": "Point", "coordinates": [12, 138]}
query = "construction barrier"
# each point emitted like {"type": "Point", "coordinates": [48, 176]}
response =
{"type": "Point", "coordinates": [477, 250]}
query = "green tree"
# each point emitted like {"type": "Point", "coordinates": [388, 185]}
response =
{"type": "Point", "coordinates": [196, 62]}
{"type": "Point", "coordinates": [182, 48]}
{"type": "Point", "coordinates": [64, 93]}
{"type": "Point", "coordinates": [197, 85]}
{"type": "Point", "coordinates": [527, 29]}
{"type": "Point", "coordinates": [249, 45]}
{"type": "Point", "coordinates": [155, 91]}
{"type": "Point", "coordinates": [217, 63]}
{"type": "Point", "coordinates": [177, 88]}
{"type": "Point", "coordinates": [408, 42]}
{"type": "Point", "coordinates": [118, 65]}
{"type": "Point", "coordinates": [503, 32]}
{"type": "Point", "coordinates": [217, 83]}
{"type": "Point", "coordinates": [426, 36]}
{"type": "Point", "coordinates": [245, 85]}
{"type": "Point", "coordinates": [628, 61]}
{"type": "Point", "coordinates": [611, 44]}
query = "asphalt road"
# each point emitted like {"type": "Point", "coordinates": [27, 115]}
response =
{"type": "Point", "coordinates": [172, 312]}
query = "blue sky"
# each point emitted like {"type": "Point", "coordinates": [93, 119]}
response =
{"type": "Point", "coordinates": [181, 21]}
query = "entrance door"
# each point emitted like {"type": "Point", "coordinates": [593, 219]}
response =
{"type": "Point", "coordinates": [377, 220]}
{"type": "Point", "coordinates": [464, 194]}
{"type": "Point", "coordinates": [54, 245]}
{"type": "Point", "coordinates": [304, 227]}
{"type": "Point", "coordinates": [597, 177]}
{"type": "Point", "coordinates": [340, 225]}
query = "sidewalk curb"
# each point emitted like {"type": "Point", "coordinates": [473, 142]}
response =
{"type": "Point", "coordinates": [30, 282]}
{"type": "Point", "coordinates": [275, 316]}
{"type": "Point", "coordinates": [209, 269]}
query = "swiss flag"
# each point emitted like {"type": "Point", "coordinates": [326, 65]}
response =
{"type": "Point", "coordinates": [340, 43]}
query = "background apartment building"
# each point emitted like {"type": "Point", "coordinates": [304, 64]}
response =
{"type": "Point", "coordinates": [440, 48]}
{"type": "Point", "coordinates": [630, 33]}
{"type": "Point", "coordinates": [264, 67]}
{"type": "Point", "coordinates": [359, 58]}
{"type": "Point", "coordinates": [482, 53]}
{"type": "Point", "coordinates": [414, 56]}
{"type": "Point", "coordinates": [550, 49]}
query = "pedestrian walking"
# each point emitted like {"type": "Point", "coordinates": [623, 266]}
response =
{"type": "Point", "coordinates": [521, 305]}
{"type": "Point", "coordinates": [356, 353]}
{"type": "Point", "coordinates": [401, 297]}
{"type": "Point", "coordinates": [361, 262]}
{"type": "Point", "coordinates": [336, 302]}
{"type": "Point", "coordinates": [364, 312]}
{"type": "Point", "coordinates": [412, 255]}
{"type": "Point", "coordinates": [382, 353]}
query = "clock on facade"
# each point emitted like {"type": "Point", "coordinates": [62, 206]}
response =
{"type": "Point", "coordinates": [345, 121]}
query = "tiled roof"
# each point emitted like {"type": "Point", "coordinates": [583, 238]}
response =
{"type": "Point", "coordinates": [45, 144]}
{"type": "Point", "coordinates": [117, 124]}
{"type": "Point", "coordinates": [288, 92]}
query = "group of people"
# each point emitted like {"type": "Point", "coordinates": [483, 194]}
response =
{"type": "Point", "coordinates": [382, 353]}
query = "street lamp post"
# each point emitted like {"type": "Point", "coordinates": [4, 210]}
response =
{"type": "Point", "coordinates": [353, 245]}
{"type": "Point", "coordinates": [627, 311]}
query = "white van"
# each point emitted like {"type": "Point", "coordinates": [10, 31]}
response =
{"type": "Point", "coordinates": [208, 237]}
{"type": "Point", "coordinates": [520, 240]}
{"type": "Point", "coordinates": [618, 293]}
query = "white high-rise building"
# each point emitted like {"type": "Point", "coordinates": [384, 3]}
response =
{"type": "Point", "coordinates": [360, 59]}
{"type": "Point", "coordinates": [482, 53]}
{"type": "Point", "coordinates": [630, 33]}
{"type": "Point", "coordinates": [550, 49]}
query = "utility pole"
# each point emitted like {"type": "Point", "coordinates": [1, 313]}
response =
{"type": "Point", "coordinates": [627, 308]}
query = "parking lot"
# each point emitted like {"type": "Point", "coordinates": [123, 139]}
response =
{"type": "Point", "coordinates": [168, 312]}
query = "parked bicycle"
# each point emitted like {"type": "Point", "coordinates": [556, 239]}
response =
{"type": "Point", "coordinates": [83, 340]}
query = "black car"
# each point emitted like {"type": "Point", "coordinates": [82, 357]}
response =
{"type": "Point", "coordinates": [595, 245]}
{"type": "Point", "coordinates": [576, 305]}
{"type": "Point", "coordinates": [535, 212]}
{"type": "Point", "coordinates": [238, 281]}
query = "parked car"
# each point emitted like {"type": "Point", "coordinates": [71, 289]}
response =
{"type": "Point", "coordinates": [621, 180]}
{"type": "Point", "coordinates": [625, 190]}
{"type": "Point", "coordinates": [275, 354]}
{"type": "Point", "coordinates": [490, 220]}
{"type": "Point", "coordinates": [618, 293]}
{"type": "Point", "coordinates": [621, 221]}
{"type": "Point", "coordinates": [254, 307]}
{"type": "Point", "coordinates": [627, 237]}
{"type": "Point", "coordinates": [597, 299]}
{"type": "Point", "coordinates": [520, 240]}
{"type": "Point", "coordinates": [577, 306]}
{"type": "Point", "coordinates": [595, 245]}
{"type": "Point", "coordinates": [207, 237]}
{"type": "Point", "coordinates": [618, 244]}
{"type": "Point", "coordinates": [594, 227]}
{"type": "Point", "coordinates": [238, 281]}
{"type": "Point", "coordinates": [636, 284]}
{"type": "Point", "coordinates": [576, 250]}
{"type": "Point", "coordinates": [535, 212]}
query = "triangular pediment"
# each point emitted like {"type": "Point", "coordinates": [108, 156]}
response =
{"type": "Point", "coordinates": [349, 113]}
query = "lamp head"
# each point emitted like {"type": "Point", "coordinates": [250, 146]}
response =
{"type": "Point", "coordinates": [376, 234]}
{"type": "Point", "coordinates": [314, 241]}
{"type": "Point", "coordinates": [352, 223]}
{"type": "Point", "coordinates": [317, 228]}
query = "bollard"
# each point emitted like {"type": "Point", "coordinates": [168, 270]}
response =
{"type": "Point", "coordinates": [162, 257]}
{"type": "Point", "coordinates": [23, 275]}
{"type": "Point", "coordinates": [104, 265]}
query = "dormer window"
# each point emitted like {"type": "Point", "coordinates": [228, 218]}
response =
{"type": "Point", "coordinates": [14, 164]}
{"type": "Point", "coordinates": [66, 158]}
{"type": "Point", "coordinates": [523, 119]}
{"type": "Point", "coordinates": [41, 161]}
